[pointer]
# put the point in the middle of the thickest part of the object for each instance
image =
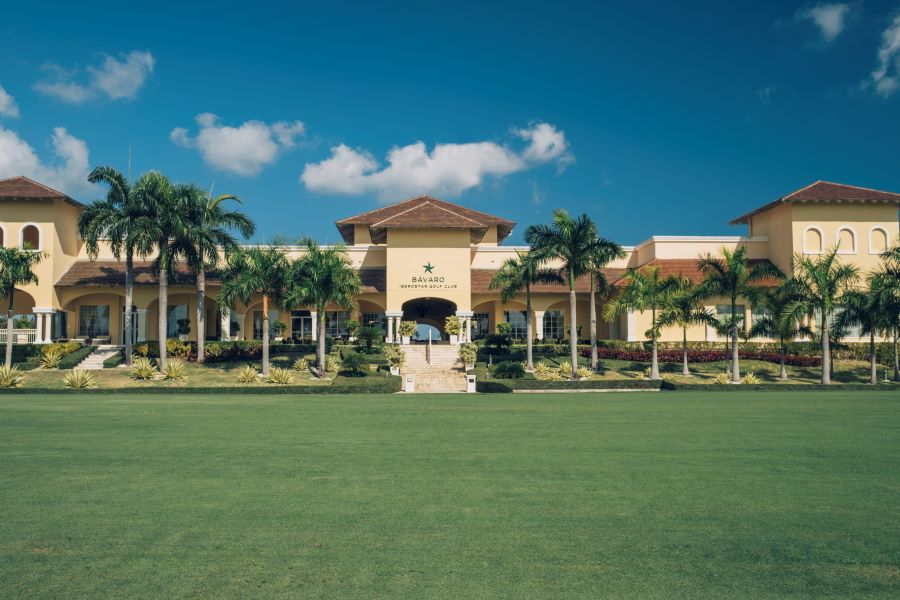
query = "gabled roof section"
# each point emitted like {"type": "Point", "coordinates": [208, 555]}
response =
{"type": "Point", "coordinates": [23, 188]}
{"type": "Point", "coordinates": [424, 212]}
{"type": "Point", "coordinates": [827, 192]}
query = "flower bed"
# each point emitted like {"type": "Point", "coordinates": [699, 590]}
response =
{"type": "Point", "coordinates": [699, 356]}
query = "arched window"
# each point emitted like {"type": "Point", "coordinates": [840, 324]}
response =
{"type": "Point", "coordinates": [813, 242]}
{"type": "Point", "coordinates": [2, 235]}
{"type": "Point", "coordinates": [846, 240]}
{"type": "Point", "coordinates": [878, 240]}
{"type": "Point", "coordinates": [30, 237]}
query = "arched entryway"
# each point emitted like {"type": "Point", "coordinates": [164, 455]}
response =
{"type": "Point", "coordinates": [430, 314]}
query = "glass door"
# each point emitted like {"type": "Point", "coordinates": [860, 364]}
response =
{"type": "Point", "coordinates": [301, 324]}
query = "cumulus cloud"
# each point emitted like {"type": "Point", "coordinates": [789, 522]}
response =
{"type": "Point", "coordinates": [829, 18]}
{"type": "Point", "coordinates": [115, 78]}
{"type": "Point", "coordinates": [243, 150]}
{"type": "Point", "coordinates": [886, 76]}
{"type": "Point", "coordinates": [447, 170]}
{"type": "Point", "coordinates": [8, 106]}
{"type": "Point", "coordinates": [68, 173]}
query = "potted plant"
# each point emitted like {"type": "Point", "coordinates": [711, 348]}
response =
{"type": "Point", "coordinates": [453, 326]}
{"type": "Point", "coordinates": [394, 357]}
{"type": "Point", "coordinates": [468, 353]}
{"type": "Point", "coordinates": [405, 330]}
{"type": "Point", "coordinates": [278, 328]}
{"type": "Point", "coordinates": [184, 329]}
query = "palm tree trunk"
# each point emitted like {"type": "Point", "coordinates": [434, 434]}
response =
{"type": "Point", "coordinates": [593, 326]}
{"type": "Point", "coordinates": [783, 373]}
{"type": "Point", "coordinates": [685, 370]}
{"type": "Point", "coordinates": [896, 357]}
{"type": "Point", "coordinates": [654, 363]}
{"type": "Point", "coordinates": [873, 358]}
{"type": "Point", "coordinates": [9, 330]}
{"type": "Point", "coordinates": [201, 312]}
{"type": "Point", "coordinates": [826, 352]}
{"type": "Point", "coordinates": [265, 336]}
{"type": "Point", "coordinates": [163, 314]}
{"type": "Point", "coordinates": [129, 302]}
{"type": "Point", "coordinates": [529, 331]}
{"type": "Point", "coordinates": [573, 330]}
{"type": "Point", "coordinates": [735, 365]}
{"type": "Point", "coordinates": [321, 340]}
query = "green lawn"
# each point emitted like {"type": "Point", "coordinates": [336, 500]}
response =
{"type": "Point", "coordinates": [641, 495]}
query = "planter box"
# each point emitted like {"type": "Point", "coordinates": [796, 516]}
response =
{"type": "Point", "coordinates": [404, 339]}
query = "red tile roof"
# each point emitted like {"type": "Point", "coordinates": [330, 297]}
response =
{"type": "Point", "coordinates": [827, 192]}
{"type": "Point", "coordinates": [424, 212]}
{"type": "Point", "coordinates": [23, 188]}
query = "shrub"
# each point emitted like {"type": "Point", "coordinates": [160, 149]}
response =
{"type": "Point", "coordinates": [143, 368]}
{"type": "Point", "coordinates": [565, 369]}
{"type": "Point", "coordinates": [722, 379]}
{"type": "Point", "coordinates": [542, 370]}
{"type": "Point", "coordinates": [750, 379]}
{"type": "Point", "coordinates": [51, 358]}
{"type": "Point", "coordinates": [301, 364]}
{"type": "Point", "coordinates": [72, 359]}
{"type": "Point", "coordinates": [177, 347]}
{"type": "Point", "coordinates": [702, 354]}
{"type": "Point", "coordinates": [79, 379]}
{"type": "Point", "coordinates": [504, 329]}
{"type": "Point", "coordinates": [332, 365]}
{"type": "Point", "coordinates": [497, 343]}
{"type": "Point", "coordinates": [394, 355]}
{"type": "Point", "coordinates": [406, 328]}
{"type": "Point", "coordinates": [279, 327]}
{"type": "Point", "coordinates": [452, 325]}
{"type": "Point", "coordinates": [11, 377]}
{"type": "Point", "coordinates": [584, 373]}
{"type": "Point", "coordinates": [247, 374]}
{"type": "Point", "coordinates": [142, 350]}
{"type": "Point", "coordinates": [174, 369]}
{"type": "Point", "coordinates": [508, 369]}
{"type": "Point", "coordinates": [212, 350]}
{"type": "Point", "coordinates": [280, 376]}
{"type": "Point", "coordinates": [355, 364]}
{"type": "Point", "coordinates": [369, 336]}
{"type": "Point", "coordinates": [113, 361]}
{"type": "Point", "coordinates": [468, 353]}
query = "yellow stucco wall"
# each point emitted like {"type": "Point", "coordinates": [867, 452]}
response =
{"type": "Point", "coordinates": [447, 251]}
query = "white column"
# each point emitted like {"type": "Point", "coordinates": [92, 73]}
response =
{"type": "Point", "coordinates": [393, 323]}
{"type": "Point", "coordinates": [241, 320]}
{"type": "Point", "coordinates": [315, 324]}
{"type": "Point", "coordinates": [539, 324]}
{"type": "Point", "coordinates": [141, 324]}
{"type": "Point", "coordinates": [465, 317]}
{"type": "Point", "coordinates": [48, 327]}
{"type": "Point", "coordinates": [389, 336]}
{"type": "Point", "coordinates": [631, 333]}
{"type": "Point", "coordinates": [38, 327]}
{"type": "Point", "coordinates": [225, 324]}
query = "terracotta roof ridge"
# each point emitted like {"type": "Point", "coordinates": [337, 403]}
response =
{"type": "Point", "coordinates": [846, 185]}
{"type": "Point", "coordinates": [37, 183]}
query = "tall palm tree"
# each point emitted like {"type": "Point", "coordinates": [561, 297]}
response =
{"type": "Point", "coordinates": [863, 308]}
{"type": "Point", "coordinates": [775, 300]}
{"type": "Point", "coordinates": [733, 276]}
{"type": "Point", "coordinates": [886, 283]}
{"type": "Point", "coordinates": [16, 268]}
{"type": "Point", "coordinates": [252, 271]}
{"type": "Point", "coordinates": [123, 225]}
{"type": "Point", "coordinates": [207, 235]}
{"type": "Point", "coordinates": [817, 286]}
{"type": "Point", "coordinates": [645, 289]}
{"type": "Point", "coordinates": [602, 252]}
{"type": "Point", "coordinates": [323, 276]}
{"type": "Point", "coordinates": [685, 308]}
{"type": "Point", "coordinates": [569, 241]}
{"type": "Point", "coordinates": [519, 274]}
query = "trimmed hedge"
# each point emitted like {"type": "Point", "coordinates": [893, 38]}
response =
{"type": "Point", "coordinates": [232, 351]}
{"type": "Point", "coordinates": [773, 387]}
{"type": "Point", "coordinates": [113, 361]}
{"type": "Point", "coordinates": [70, 361]}
{"type": "Point", "coordinates": [700, 356]}
{"type": "Point", "coordinates": [493, 386]}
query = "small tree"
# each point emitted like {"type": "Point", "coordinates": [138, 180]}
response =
{"type": "Point", "coordinates": [886, 284]}
{"type": "Point", "coordinates": [602, 252]}
{"type": "Point", "coordinates": [685, 308]}
{"type": "Point", "coordinates": [863, 308]}
{"type": "Point", "coordinates": [775, 301]}
{"type": "Point", "coordinates": [16, 268]}
{"type": "Point", "coordinates": [368, 335]}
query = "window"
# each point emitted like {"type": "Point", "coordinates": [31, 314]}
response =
{"type": "Point", "coordinates": [516, 318]}
{"type": "Point", "coordinates": [60, 325]}
{"type": "Point", "coordinates": [878, 240]}
{"type": "Point", "coordinates": [846, 241]}
{"type": "Point", "coordinates": [812, 241]}
{"type": "Point", "coordinates": [723, 314]}
{"type": "Point", "coordinates": [481, 324]}
{"type": "Point", "coordinates": [854, 331]}
{"type": "Point", "coordinates": [93, 320]}
{"type": "Point", "coordinates": [554, 325]}
{"type": "Point", "coordinates": [372, 320]}
{"type": "Point", "coordinates": [30, 237]}
{"type": "Point", "coordinates": [177, 321]}
{"type": "Point", "coordinates": [758, 314]}
{"type": "Point", "coordinates": [336, 322]}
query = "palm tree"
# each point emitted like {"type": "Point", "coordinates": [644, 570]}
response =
{"type": "Point", "coordinates": [818, 286]}
{"type": "Point", "coordinates": [775, 300]}
{"type": "Point", "coordinates": [569, 241]}
{"type": "Point", "coordinates": [323, 276]}
{"type": "Point", "coordinates": [863, 308]}
{"type": "Point", "coordinates": [251, 271]}
{"type": "Point", "coordinates": [602, 252]}
{"type": "Point", "coordinates": [208, 232]}
{"type": "Point", "coordinates": [16, 268]}
{"type": "Point", "coordinates": [685, 308]}
{"type": "Point", "coordinates": [518, 274]}
{"type": "Point", "coordinates": [733, 276]}
{"type": "Point", "coordinates": [645, 289]}
{"type": "Point", "coordinates": [119, 221]}
{"type": "Point", "coordinates": [886, 283]}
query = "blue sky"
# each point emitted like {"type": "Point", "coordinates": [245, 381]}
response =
{"type": "Point", "coordinates": [651, 117]}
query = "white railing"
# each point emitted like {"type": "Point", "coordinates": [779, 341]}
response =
{"type": "Point", "coordinates": [20, 336]}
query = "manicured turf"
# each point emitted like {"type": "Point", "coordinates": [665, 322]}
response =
{"type": "Point", "coordinates": [665, 495]}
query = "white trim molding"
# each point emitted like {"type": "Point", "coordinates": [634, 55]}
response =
{"type": "Point", "coordinates": [818, 230]}
{"type": "Point", "coordinates": [837, 239]}
{"type": "Point", "coordinates": [40, 236]}
{"type": "Point", "coordinates": [887, 239]}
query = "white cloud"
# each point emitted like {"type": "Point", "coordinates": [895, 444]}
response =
{"type": "Point", "coordinates": [829, 18]}
{"type": "Point", "coordinates": [114, 78]}
{"type": "Point", "coordinates": [886, 76]}
{"type": "Point", "coordinates": [448, 170]}
{"type": "Point", "coordinates": [68, 174]}
{"type": "Point", "coordinates": [243, 150]}
{"type": "Point", "coordinates": [8, 106]}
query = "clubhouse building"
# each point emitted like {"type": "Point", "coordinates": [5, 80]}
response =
{"type": "Point", "coordinates": [422, 259]}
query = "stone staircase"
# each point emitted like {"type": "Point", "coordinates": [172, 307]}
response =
{"type": "Point", "coordinates": [444, 374]}
{"type": "Point", "coordinates": [94, 360]}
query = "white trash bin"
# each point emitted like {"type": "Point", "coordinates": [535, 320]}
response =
{"type": "Point", "coordinates": [409, 383]}
{"type": "Point", "coordinates": [470, 383]}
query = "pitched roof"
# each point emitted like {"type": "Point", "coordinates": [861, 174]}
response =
{"type": "Point", "coordinates": [827, 192]}
{"type": "Point", "coordinates": [23, 188]}
{"type": "Point", "coordinates": [481, 280]}
{"type": "Point", "coordinates": [424, 212]}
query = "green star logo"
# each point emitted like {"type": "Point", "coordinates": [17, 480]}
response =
{"type": "Point", "coordinates": [428, 267]}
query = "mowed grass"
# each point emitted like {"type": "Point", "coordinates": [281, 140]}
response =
{"type": "Point", "coordinates": [665, 495]}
